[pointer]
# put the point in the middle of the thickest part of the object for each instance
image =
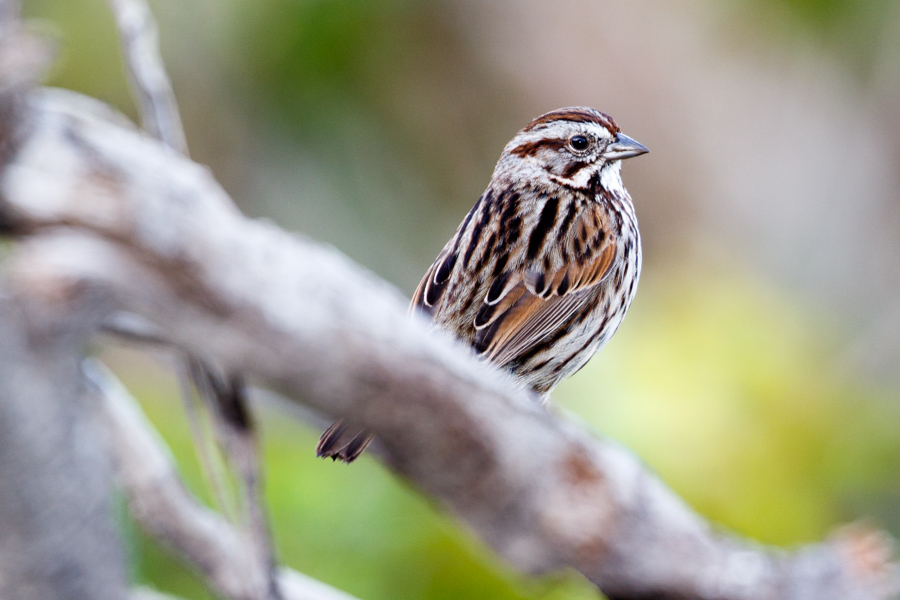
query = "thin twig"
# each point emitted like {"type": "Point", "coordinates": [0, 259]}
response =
{"type": "Point", "coordinates": [149, 82]}
{"type": "Point", "coordinates": [213, 469]}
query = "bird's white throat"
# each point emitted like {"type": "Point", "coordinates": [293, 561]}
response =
{"type": "Point", "coordinates": [611, 178]}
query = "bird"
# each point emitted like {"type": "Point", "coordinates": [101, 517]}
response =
{"type": "Point", "coordinates": [540, 273]}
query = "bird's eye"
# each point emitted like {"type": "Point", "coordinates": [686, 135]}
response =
{"type": "Point", "coordinates": [578, 142]}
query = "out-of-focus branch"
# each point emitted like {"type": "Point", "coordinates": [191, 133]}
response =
{"type": "Point", "coordinates": [57, 534]}
{"type": "Point", "coordinates": [23, 59]}
{"type": "Point", "coordinates": [161, 503]}
{"type": "Point", "coordinates": [118, 213]}
{"type": "Point", "coordinates": [147, 74]}
{"type": "Point", "coordinates": [9, 13]}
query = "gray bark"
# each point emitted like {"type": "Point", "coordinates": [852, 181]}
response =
{"type": "Point", "coordinates": [57, 533]}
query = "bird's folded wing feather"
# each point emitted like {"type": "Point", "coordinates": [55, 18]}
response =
{"type": "Point", "coordinates": [538, 311]}
{"type": "Point", "coordinates": [525, 304]}
{"type": "Point", "coordinates": [428, 295]}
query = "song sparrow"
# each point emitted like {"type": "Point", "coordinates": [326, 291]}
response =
{"type": "Point", "coordinates": [540, 273]}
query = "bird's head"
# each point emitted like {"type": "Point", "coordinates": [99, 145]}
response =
{"type": "Point", "coordinates": [571, 146]}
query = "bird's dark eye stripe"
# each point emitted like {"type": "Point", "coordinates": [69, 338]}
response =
{"type": "Point", "coordinates": [533, 147]}
{"type": "Point", "coordinates": [579, 142]}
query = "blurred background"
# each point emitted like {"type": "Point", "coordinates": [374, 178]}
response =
{"type": "Point", "coordinates": [758, 371]}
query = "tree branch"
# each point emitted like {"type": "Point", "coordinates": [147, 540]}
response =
{"type": "Point", "coordinates": [23, 59]}
{"type": "Point", "coordinates": [57, 534]}
{"type": "Point", "coordinates": [157, 235]}
{"type": "Point", "coordinates": [150, 84]}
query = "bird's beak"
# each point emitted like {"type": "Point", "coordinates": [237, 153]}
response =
{"type": "Point", "coordinates": [624, 147]}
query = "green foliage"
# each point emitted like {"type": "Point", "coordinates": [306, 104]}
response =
{"type": "Point", "coordinates": [336, 74]}
{"type": "Point", "coordinates": [88, 59]}
{"type": "Point", "coordinates": [311, 60]}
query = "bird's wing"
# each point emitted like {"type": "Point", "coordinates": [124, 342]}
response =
{"type": "Point", "coordinates": [427, 296]}
{"type": "Point", "coordinates": [528, 301]}
{"type": "Point", "coordinates": [539, 303]}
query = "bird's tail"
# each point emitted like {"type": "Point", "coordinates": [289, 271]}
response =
{"type": "Point", "coordinates": [343, 442]}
